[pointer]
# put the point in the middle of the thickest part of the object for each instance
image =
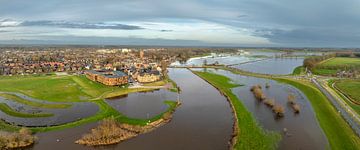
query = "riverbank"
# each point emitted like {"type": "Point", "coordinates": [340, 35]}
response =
{"type": "Point", "coordinates": [330, 121]}
{"type": "Point", "coordinates": [247, 132]}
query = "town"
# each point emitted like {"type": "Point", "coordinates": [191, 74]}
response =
{"type": "Point", "coordinates": [138, 65]}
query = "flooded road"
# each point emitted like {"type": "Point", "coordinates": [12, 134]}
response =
{"type": "Point", "coordinates": [203, 121]}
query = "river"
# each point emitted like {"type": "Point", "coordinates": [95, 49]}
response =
{"type": "Point", "coordinates": [203, 121]}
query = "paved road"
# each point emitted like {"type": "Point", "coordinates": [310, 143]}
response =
{"type": "Point", "coordinates": [350, 116]}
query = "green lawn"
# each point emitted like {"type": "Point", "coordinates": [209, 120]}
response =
{"type": "Point", "coordinates": [50, 88]}
{"type": "Point", "coordinates": [8, 110]}
{"type": "Point", "coordinates": [299, 70]}
{"type": "Point", "coordinates": [342, 61]}
{"type": "Point", "coordinates": [338, 132]}
{"type": "Point", "coordinates": [250, 134]}
{"type": "Point", "coordinates": [332, 65]}
{"type": "Point", "coordinates": [350, 87]}
{"type": "Point", "coordinates": [325, 72]}
{"type": "Point", "coordinates": [62, 88]}
{"type": "Point", "coordinates": [355, 107]}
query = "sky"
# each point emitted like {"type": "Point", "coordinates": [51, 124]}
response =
{"type": "Point", "coordinates": [254, 23]}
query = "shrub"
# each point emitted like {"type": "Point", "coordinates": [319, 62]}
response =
{"type": "Point", "coordinates": [269, 102]}
{"type": "Point", "coordinates": [291, 99]}
{"type": "Point", "coordinates": [296, 108]}
{"type": "Point", "coordinates": [267, 85]}
{"type": "Point", "coordinates": [279, 110]}
{"type": "Point", "coordinates": [15, 140]}
{"type": "Point", "coordinates": [108, 132]}
{"type": "Point", "coordinates": [255, 87]}
{"type": "Point", "coordinates": [258, 93]}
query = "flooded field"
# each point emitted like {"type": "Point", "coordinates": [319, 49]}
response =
{"type": "Point", "coordinates": [303, 130]}
{"type": "Point", "coordinates": [272, 66]}
{"type": "Point", "coordinates": [204, 116]}
{"type": "Point", "coordinates": [73, 113]}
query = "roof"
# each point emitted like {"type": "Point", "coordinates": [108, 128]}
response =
{"type": "Point", "coordinates": [108, 73]}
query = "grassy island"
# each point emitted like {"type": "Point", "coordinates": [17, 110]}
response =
{"type": "Point", "coordinates": [248, 133]}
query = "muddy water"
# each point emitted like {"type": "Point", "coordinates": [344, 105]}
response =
{"type": "Point", "coordinates": [272, 66]}
{"type": "Point", "coordinates": [203, 121]}
{"type": "Point", "coordinates": [304, 131]}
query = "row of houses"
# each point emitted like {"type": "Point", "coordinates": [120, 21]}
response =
{"type": "Point", "coordinates": [115, 78]}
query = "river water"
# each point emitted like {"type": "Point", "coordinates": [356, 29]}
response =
{"type": "Point", "coordinates": [272, 65]}
{"type": "Point", "coordinates": [203, 121]}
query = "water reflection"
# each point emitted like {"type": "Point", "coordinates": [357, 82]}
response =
{"type": "Point", "coordinates": [272, 66]}
{"type": "Point", "coordinates": [303, 129]}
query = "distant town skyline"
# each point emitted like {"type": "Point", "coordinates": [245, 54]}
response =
{"type": "Point", "coordinates": [256, 23]}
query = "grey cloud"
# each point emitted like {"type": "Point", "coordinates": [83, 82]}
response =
{"type": "Point", "coordinates": [283, 22]}
{"type": "Point", "coordinates": [315, 37]}
{"type": "Point", "coordinates": [166, 30]}
{"type": "Point", "coordinates": [80, 25]}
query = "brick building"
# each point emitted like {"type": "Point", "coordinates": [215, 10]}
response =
{"type": "Point", "coordinates": [107, 77]}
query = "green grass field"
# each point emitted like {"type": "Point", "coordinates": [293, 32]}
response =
{"type": "Point", "coordinates": [299, 70]}
{"type": "Point", "coordinates": [342, 61]}
{"type": "Point", "coordinates": [63, 89]}
{"type": "Point", "coordinates": [338, 132]}
{"type": "Point", "coordinates": [332, 65]}
{"type": "Point", "coordinates": [250, 134]}
{"type": "Point", "coordinates": [350, 87]}
{"type": "Point", "coordinates": [8, 110]}
{"type": "Point", "coordinates": [355, 107]}
{"type": "Point", "coordinates": [50, 88]}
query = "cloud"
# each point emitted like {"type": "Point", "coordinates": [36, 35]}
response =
{"type": "Point", "coordinates": [166, 30]}
{"type": "Point", "coordinates": [9, 23]}
{"type": "Point", "coordinates": [282, 22]}
{"type": "Point", "coordinates": [67, 24]}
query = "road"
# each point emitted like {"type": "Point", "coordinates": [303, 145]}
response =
{"type": "Point", "coordinates": [347, 113]}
